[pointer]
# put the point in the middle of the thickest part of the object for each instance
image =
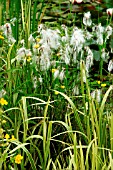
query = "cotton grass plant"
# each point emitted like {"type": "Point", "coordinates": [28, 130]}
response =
{"type": "Point", "coordinates": [53, 114]}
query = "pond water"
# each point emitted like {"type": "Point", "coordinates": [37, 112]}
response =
{"type": "Point", "coordinates": [64, 12]}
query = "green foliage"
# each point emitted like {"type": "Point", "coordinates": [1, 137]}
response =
{"type": "Point", "coordinates": [59, 117]}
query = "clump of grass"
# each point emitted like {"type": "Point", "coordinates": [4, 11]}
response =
{"type": "Point", "coordinates": [53, 113]}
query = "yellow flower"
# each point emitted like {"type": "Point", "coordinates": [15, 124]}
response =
{"type": "Point", "coordinates": [36, 46]}
{"type": "Point", "coordinates": [62, 87]}
{"type": "Point", "coordinates": [1, 37]}
{"type": "Point", "coordinates": [6, 136]}
{"type": "Point", "coordinates": [53, 70]}
{"type": "Point", "coordinates": [103, 85]}
{"type": "Point", "coordinates": [13, 138]}
{"type": "Point", "coordinates": [56, 92]}
{"type": "Point", "coordinates": [3, 121]}
{"type": "Point", "coordinates": [3, 101]}
{"type": "Point", "coordinates": [98, 82]}
{"type": "Point", "coordinates": [18, 159]}
{"type": "Point", "coordinates": [28, 59]}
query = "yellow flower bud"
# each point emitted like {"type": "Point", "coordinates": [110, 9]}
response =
{"type": "Point", "coordinates": [103, 85]}
{"type": "Point", "coordinates": [53, 70]}
{"type": "Point", "coordinates": [36, 46]}
{"type": "Point", "coordinates": [6, 136]}
{"type": "Point", "coordinates": [3, 121]}
{"type": "Point", "coordinates": [37, 39]}
{"type": "Point", "coordinates": [56, 92]}
{"type": "Point", "coordinates": [62, 87]}
{"type": "Point", "coordinates": [98, 82]}
{"type": "Point", "coordinates": [13, 138]}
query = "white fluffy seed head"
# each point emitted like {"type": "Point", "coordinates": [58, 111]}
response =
{"type": "Point", "coordinates": [110, 66]}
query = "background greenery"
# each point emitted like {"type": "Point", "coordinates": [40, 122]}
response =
{"type": "Point", "coordinates": [53, 130]}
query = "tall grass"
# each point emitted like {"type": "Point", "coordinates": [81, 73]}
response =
{"type": "Point", "coordinates": [44, 120]}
